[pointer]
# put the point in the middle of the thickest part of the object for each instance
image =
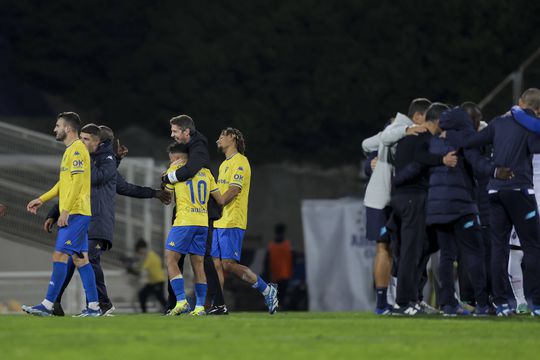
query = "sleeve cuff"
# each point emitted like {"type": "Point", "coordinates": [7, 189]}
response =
{"type": "Point", "coordinates": [172, 177]}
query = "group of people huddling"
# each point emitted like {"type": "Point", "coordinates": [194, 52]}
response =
{"type": "Point", "coordinates": [443, 181]}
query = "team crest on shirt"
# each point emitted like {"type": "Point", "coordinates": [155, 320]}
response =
{"type": "Point", "coordinates": [240, 168]}
{"type": "Point", "coordinates": [76, 153]}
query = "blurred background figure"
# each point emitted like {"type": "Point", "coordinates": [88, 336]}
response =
{"type": "Point", "coordinates": [279, 263]}
{"type": "Point", "coordinates": [3, 210]}
{"type": "Point", "coordinates": [152, 267]}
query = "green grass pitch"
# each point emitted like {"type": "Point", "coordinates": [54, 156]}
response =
{"type": "Point", "coordinates": [261, 336]}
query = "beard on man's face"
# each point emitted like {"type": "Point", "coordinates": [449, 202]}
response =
{"type": "Point", "coordinates": [60, 136]}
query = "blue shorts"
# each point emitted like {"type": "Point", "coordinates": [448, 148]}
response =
{"type": "Point", "coordinates": [227, 243]}
{"type": "Point", "coordinates": [187, 240]}
{"type": "Point", "coordinates": [73, 239]}
{"type": "Point", "coordinates": [376, 223]}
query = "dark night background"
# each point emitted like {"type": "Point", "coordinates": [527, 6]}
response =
{"type": "Point", "coordinates": [305, 81]}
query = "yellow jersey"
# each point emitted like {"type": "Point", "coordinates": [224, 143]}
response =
{"type": "Point", "coordinates": [192, 198]}
{"type": "Point", "coordinates": [73, 187]}
{"type": "Point", "coordinates": [154, 268]}
{"type": "Point", "coordinates": [234, 171]}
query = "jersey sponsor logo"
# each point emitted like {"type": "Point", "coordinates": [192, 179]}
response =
{"type": "Point", "coordinates": [238, 177]}
{"type": "Point", "coordinates": [68, 242]}
{"type": "Point", "coordinates": [172, 243]}
{"type": "Point", "coordinates": [110, 157]}
{"type": "Point", "coordinates": [78, 163]}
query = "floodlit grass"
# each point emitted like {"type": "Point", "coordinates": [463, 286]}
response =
{"type": "Point", "coordinates": [259, 335]}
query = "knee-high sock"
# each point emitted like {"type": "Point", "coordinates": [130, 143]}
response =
{"type": "Point", "coordinates": [88, 279]}
{"type": "Point", "coordinates": [55, 285]}
{"type": "Point", "coordinates": [515, 275]}
{"type": "Point", "coordinates": [200, 292]}
{"type": "Point", "coordinates": [69, 274]}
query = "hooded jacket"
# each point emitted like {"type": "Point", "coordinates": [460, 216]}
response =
{"type": "Point", "coordinates": [452, 191]}
{"type": "Point", "coordinates": [378, 190]}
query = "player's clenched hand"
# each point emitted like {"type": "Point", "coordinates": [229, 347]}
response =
{"type": "Point", "coordinates": [3, 210]}
{"type": "Point", "coordinates": [63, 219]}
{"type": "Point", "coordinates": [34, 205]}
{"type": "Point", "coordinates": [164, 196]}
{"type": "Point", "coordinates": [450, 159]}
{"type": "Point", "coordinates": [121, 150]}
{"type": "Point", "coordinates": [48, 224]}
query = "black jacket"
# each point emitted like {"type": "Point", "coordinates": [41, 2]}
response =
{"type": "Point", "coordinates": [198, 157]}
{"type": "Point", "coordinates": [513, 147]}
{"type": "Point", "coordinates": [452, 191]}
{"type": "Point", "coordinates": [411, 161]}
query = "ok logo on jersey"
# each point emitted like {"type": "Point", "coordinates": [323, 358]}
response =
{"type": "Point", "coordinates": [78, 163]}
{"type": "Point", "coordinates": [238, 177]}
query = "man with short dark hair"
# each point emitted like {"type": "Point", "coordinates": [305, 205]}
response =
{"type": "Point", "coordinates": [409, 205]}
{"type": "Point", "coordinates": [73, 190]}
{"type": "Point", "coordinates": [183, 131]}
{"type": "Point", "coordinates": [513, 202]}
{"type": "Point", "coordinates": [377, 196]}
{"type": "Point", "coordinates": [106, 182]}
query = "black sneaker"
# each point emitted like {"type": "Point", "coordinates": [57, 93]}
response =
{"type": "Point", "coordinates": [57, 309]}
{"type": "Point", "coordinates": [218, 310]}
{"type": "Point", "coordinates": [408, 310]}
{"type": "Point", "coordinates": [107, 309]}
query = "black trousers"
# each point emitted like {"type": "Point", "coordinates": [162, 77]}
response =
{"type": "Point", "coordinates": [95, 247]}
{"type": "Point", "coordinates": [466, 289]}
{"type": "Point", "coordinates": [517, 208]}
{"type": "Point", "coordinates": [410, 218]}
{"type": "Point", "coordinates": [464, 237]}
{"type": "Point", "coordinates": [152, 289]}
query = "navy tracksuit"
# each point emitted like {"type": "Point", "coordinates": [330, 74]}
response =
{"type": "Point", "coordinates": [512, 202]}
{"type": "Point", "coordinates": [452, 208]}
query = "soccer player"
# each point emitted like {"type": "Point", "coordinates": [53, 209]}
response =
{"type": "Point", "coordinates": [234, 182]}
{"type": "Point", "coordinates": [3, 210]}
{"type": "Point", "coordinates": [190, 230]}
{"type": "Point", "coordinates": [73, 189]}
{"type": "Point", "coordinates": [183, 131]}
{"type": "Point", "coordinates": [512, 202]}
{"type": "Point", "coordinates": [106, 182]}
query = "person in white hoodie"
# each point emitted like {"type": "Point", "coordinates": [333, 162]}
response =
{"type": "Point", "coordinates": [377, 196]}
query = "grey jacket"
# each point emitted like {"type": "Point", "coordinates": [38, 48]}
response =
{"type": "Point", "coordinates": [380, 184]}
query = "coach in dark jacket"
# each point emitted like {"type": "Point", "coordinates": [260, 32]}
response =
{"type": "Point", "coordinates": [183, 131]}
{"type": "Point", "coordinates": [512, 202]}
{"type": "Point", "coordinates": [453, 212]}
